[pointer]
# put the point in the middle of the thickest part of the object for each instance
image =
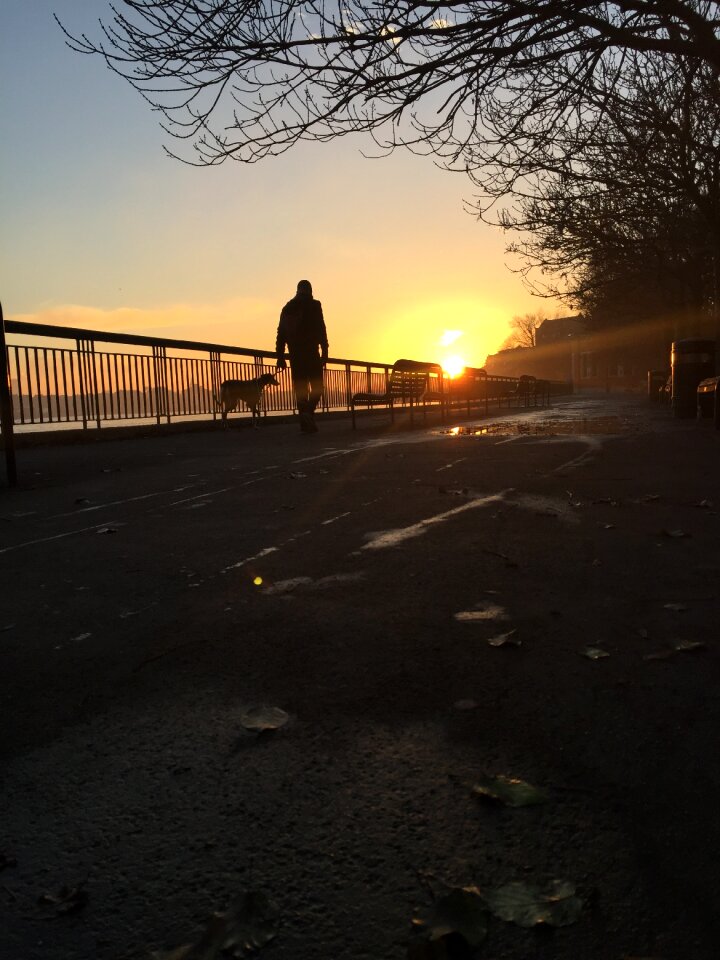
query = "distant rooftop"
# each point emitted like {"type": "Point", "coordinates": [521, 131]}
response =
{"type": "Point", "coordinates": [560, 328]}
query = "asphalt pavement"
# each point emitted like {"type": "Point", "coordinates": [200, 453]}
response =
{"type": "Point", "coordinates": [532, 596]}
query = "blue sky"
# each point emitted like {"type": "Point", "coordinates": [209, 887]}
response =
{"type": "Point", "coordinates": [101, 229]}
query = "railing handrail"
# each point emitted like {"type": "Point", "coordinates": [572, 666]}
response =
{"type": "Point", "coordinates": [103, 336]}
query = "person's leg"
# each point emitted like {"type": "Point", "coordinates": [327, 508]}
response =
{"type": "Point", "coordinates": [305, 409]}
{"type": "Point", "coordinates": [316, 390]}
{"type": "Point", "coordinates": [300, 387]}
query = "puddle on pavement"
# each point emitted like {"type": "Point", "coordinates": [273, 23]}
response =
{"type": "Point", "coordinates": [583, 426]}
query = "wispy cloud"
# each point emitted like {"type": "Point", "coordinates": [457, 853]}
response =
{"type": "Point", "coordinates": [241, 321]}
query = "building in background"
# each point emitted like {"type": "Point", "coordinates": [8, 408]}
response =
{"type": "Point", "coordinates": [616, 358]}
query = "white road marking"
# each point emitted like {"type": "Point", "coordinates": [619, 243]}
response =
{"type": "Point", "coordinates": [287, 586]}
{"type": "Point", "coordinates": [212, 493]}
{"type": "Point", "coordinates": [117, 503]}
{"type": "Point", "coordinates": [201, 496]}
{"type": "Point", "coordinates": [255, 556]}
{"type": "Point", "coordinates": [60, 536]}
{"type": "Point", "coordinates": [392, 538]}
{"type": "Point", "coordinates": [327, 453]}
{"type": "Point", "coordinates": [451, 464]}
{"type": "Point", "coordinates": [333, 519]}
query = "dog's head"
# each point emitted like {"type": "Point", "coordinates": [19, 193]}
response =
{"type": "Point", "coordinates": [268, 380]}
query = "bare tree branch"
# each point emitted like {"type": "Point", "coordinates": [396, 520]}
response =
{"type": "Point", "coordinates": [245, 79]}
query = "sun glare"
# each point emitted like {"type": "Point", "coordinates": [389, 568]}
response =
{"type": "Point", "coordinates": [449, 336]}
{"type": "Point", "coordinates": [453, 366]}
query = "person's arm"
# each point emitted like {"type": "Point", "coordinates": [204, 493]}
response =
{"type": "Point", "coordinates": [280, 341]}
{"type": "Point", "coordinates": [322, 334]}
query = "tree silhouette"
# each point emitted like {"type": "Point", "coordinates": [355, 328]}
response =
{"type": "Point", "coordinates": [627, 226]}
{"type": "Point", "coordinates": [478, 83]}
{"type": "Point", "coordinates": [523, 329]}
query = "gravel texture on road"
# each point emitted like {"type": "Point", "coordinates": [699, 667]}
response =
{"type": "Point", "coordinates": [156, 589]}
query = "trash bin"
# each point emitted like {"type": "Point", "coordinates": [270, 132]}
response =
{"type": "Point", "coordinates": [708, 399]}
{"type": "Point", "coordinates": [692, 361]}
{"type": "Point", "coordinates": [655, 382]}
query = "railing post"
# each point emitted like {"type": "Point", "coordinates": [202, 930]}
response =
{"type": "Point", "coordinates": [81, 382]}
{"type": "Point", "coordinates": [161, 394]}
{"type": "Point", "coordinates": [89, 399]}
{"type": "Point", "coordinates": [6, 409]}
{"type": "Point", "coordinates": [215, 379]}
{"type": "Point", "coordinates": [348, 388]}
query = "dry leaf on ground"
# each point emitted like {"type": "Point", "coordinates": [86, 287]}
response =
{"type": "Point", "coordinates": [259, 719]}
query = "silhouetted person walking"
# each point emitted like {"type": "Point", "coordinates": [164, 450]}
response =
{"type": "Point", "coordinates": [302, 329]}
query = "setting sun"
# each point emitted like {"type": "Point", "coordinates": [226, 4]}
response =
{"type": "Point", "coordinates": [453, 366]}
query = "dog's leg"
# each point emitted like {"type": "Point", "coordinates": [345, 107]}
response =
{"type": "Point", "coordinates": [255, 416]}
{"type": "Point", "coordinates": [219, 405]}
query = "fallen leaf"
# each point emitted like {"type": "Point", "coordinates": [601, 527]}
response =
{"type": "Point", "coordinates": [66, 900]}
{"type": "Point", "coordinates": [527, 905]}
{"type": "Point", "coordinates": [677, 607]}
{"type": "Point", "coordinates": [250, 923]}
{"type": "Point", "coordinates": [505, 640]}
{"type": "Point", "coordinates": [462, 911]}
{"type": "Point", "coordinates": [676, 534]}
{"type": "Point", "coordinates": [608, 526]}
{"type": "Point", "coordinates": [263, 718]}
{"type": "Point", "coordinates": [594, 653]}
{"type": "Point", "coordinates": [509, 790]}
{"type": "Point", "coordinates": [488, 611]}
{"type": "Point", "coordinates": [465, 704]}
{"type": "Point", "coordinates": [704, 504]}
{"type": "Point", "coordinates": [683, 646]}
{"type": "Point", "coordinates": [298, 476]}
{"type": "Point", "coordinates": [107, 530]}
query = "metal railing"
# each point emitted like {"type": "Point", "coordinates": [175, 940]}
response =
{"type": "Point", "coordinates": [60, 377]}
{"type": "Point", "coordinates": [56, 383]}
{"type": "Point", "coordinates": [147, 378]}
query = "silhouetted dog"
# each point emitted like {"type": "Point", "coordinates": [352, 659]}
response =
{"type": "Point", "coordinates": [249, 391]}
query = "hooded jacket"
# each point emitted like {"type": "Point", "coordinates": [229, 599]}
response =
{"type": "Point", "coordinates": [302, 329]}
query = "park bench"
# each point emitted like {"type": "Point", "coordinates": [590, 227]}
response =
{"type": "Point", "coordinates": [708, 399]}
{"type": "Point", "coordinates": [410, 383]}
